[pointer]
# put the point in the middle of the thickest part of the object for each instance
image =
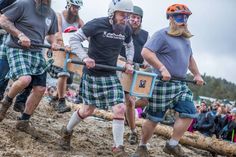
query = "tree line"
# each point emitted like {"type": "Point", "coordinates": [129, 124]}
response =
{"type": "Point", "coordinates": [215, 87]}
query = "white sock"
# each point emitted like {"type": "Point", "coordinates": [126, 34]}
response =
{"type": "Point", "coordinates": [173, 142]}
{"type": "Point", "coordinates": [74, 120]}
{"type": "Point", "coordinates": [118, 128]}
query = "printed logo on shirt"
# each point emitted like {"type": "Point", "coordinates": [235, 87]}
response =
{"type": "Point", "coordinates": [114, 36]}
{"type": "Point", "coordinates": [48, 21]}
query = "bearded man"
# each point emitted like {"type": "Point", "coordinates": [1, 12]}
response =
{"type": "Point", "coordinates": [101, 88]}
{"type": "Point", "coordinates": [170, 54]}
{"type": "Point", "coordinates": [68, 18]}
{"type": "Point", "coordinates": [27, 21]}
{"type": "Point", "coordinates": [139, 36]}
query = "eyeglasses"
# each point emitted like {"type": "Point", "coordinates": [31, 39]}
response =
{"type": "Point", "coordinates": [180, 18]}
{"type": "Point", "coordinates": [75, 7]}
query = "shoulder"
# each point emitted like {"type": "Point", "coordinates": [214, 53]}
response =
{"type": "Point", "coordinates": [25, 3]}
{"type": "Point", "coordinates": [144, 31]}
{"type": "Point", "coordinates": [159, 33]}
{"type": "Point", "coordinates": [164, 31]}
{"type": "Point", "coordinates": [21, 3]}
{"type": "Point", "coordinates": [101, 20]}
{"type": "Point", "coordinates": [98, 22]}
{"type": "Point", "coordinates": [54, 15]}
{"type": "Point", "coordinates": [18, 6]}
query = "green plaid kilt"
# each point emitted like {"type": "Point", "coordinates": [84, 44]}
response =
{"type": "Point", "coordinates": [24, 62]}
{"type": "Point", "coordinates": [167, 93]}
{"type": "Point", "coordinates": [3, 48]}
{"type": "Point", "coordinates": [53, 71]}
{"type": "Point", "coordinates": [101, 92]}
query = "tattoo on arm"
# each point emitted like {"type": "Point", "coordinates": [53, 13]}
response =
{"type": "Point", "coordinates": [8, 26]}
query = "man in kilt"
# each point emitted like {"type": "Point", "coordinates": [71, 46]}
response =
{"type": "Point", "coordinates": [19, 103]}
{"type": "Point", "coordinates": [68, 21]}
{"type": "Point", "coordinates": [101, 88]}
{"type": "Point", "coordinates": [170, 54]}
{"type": "Point", "coordinates": [27, 63]}
{"type": "Point", "coordinates": [139, 37]}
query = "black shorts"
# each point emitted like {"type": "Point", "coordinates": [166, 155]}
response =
{"type": "Point", "coordinates": [39, 80]}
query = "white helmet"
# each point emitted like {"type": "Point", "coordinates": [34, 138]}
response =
{"type": "Point", "coordinates": [120, 5]}
{"type": "Point", "coordinates": [78, 3]}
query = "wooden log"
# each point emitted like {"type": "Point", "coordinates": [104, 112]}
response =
{"type": "Point", "coordinates": [195, 139]}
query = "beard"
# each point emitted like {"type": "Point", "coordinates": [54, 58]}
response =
{"type": "Point", "coordinates": [118, 28]}
{"type": "Point", "coordinates": [136, 30]}
{"type": "Point", "coordinates": [70, 17]}
{"type": "Point", "coordinates": [179, 30]}
{"type": "Point", "coordinates": [43, 9]}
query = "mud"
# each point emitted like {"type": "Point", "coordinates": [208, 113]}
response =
{"type": "Point", "coordinates": [91, 138]}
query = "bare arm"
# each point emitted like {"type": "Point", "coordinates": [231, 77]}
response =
{"type": "Point", "coordinates": [194, 70]}
{"type": "Point", "coordinates": [51, 39]}
{"type": "Point", "coordinates": [9, 26]}
{"type": "Point", "coordinates": [152, 59]}
{"type": "Point", "coordinates": [193, 66]}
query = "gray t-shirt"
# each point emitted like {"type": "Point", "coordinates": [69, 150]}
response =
{"type": "Point", "coordinates": [35, 27]}
{"type": "Point", "coordinates": [173, 52]}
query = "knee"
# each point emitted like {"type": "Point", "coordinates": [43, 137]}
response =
{"type": "Point", "coordinates": [119, 111]}
{"type": "Point", "coordinates": [24, 81]}
{"type": "Point", "coordinates": [85, 112]}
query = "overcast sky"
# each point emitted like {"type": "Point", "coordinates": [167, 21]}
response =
{"type": "Point", "coordinates": [213, 24]}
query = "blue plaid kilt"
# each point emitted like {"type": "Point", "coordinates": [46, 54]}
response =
{"type": "Point", "coordinates": [168, 93]}
{"type": "Point", "coordinates": [101, 92]}
{"type": "Point", "coordinates": [3, 48]}
{"type": "Point", "coordinates": [25, 62]}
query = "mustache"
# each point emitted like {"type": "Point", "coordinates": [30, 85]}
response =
{"type": "Point", "coordinates": [179, 30]}
{"type": "Point", "coordinates": [43, 10]}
